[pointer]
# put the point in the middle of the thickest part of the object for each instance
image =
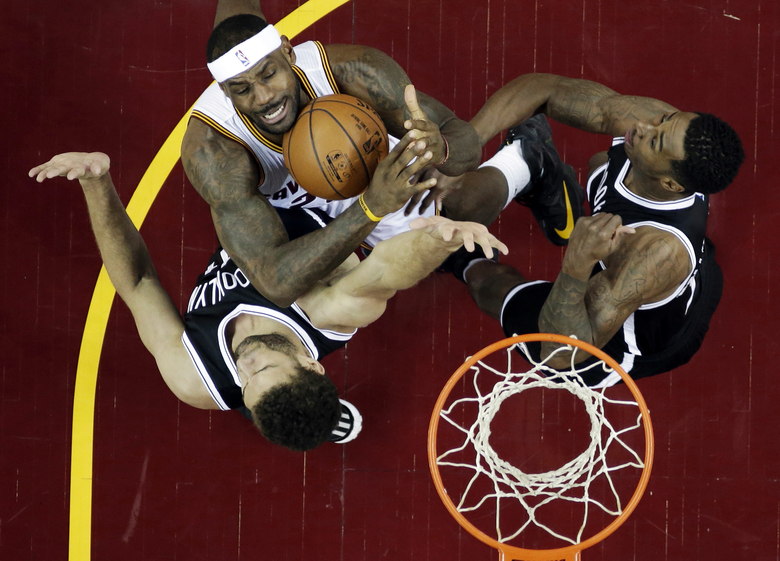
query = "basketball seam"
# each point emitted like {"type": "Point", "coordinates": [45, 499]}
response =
{"type": "Point", "coordinates": [352, 142]}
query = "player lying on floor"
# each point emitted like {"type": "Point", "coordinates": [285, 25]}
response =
{"type": "Point", "coordinates": [234, 347]}
{"type": "Point", "coordinates": [639, 277]}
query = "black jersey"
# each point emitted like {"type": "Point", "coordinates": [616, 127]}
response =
{"type": "Point", "coordinates": [652, 328]}
{"type": "Point", "coordinates": [222, 293]}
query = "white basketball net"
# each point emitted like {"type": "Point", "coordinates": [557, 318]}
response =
{"type": "Point", "coordinates": [571, 482]}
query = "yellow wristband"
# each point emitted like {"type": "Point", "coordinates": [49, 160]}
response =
{"type": "Point", "coordinates": [371, 216]}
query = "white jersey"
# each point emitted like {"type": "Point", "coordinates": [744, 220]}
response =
{"type": "Point", "coordinates": [316, 77]}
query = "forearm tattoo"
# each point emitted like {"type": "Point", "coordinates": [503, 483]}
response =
{"type": "Point", "coordinates": [379, 75]}
{"type": "Point", "coordinates": [595, 108]}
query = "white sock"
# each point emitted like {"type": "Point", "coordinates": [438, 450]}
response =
{"type": "Point", "coordinates": [510, 162]}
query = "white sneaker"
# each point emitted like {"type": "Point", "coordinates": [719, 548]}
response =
{"type": "Point", "coordinates": [349, 424]}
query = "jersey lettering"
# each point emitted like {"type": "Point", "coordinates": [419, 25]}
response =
{"type": "Point", "coordinates": [601, 195]}
{"type": "Point", "coordinates": [220, 284]}
{"type": "Point", "coordinates": [289, 191]}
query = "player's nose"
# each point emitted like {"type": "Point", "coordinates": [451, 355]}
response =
{"type": "Point", "coordinates": [642, 128]}
{"type": "Point", "coordinates": [263, 95]}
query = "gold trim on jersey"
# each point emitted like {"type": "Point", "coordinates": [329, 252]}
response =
{"type": "Point", "coordinates": [326, 66]}
{"type": "Point", "coordinates": [222, 130]}
{"type": "Point", "coordinates": [257, 134]}
{"type": "Point", "coordinates": [304, 80]}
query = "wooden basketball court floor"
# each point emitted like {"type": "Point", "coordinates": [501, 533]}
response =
{"type": "Point", "coordinates": [132, 474]}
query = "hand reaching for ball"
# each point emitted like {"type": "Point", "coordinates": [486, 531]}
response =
{"type": "Point", "coordinates": [391, 188]}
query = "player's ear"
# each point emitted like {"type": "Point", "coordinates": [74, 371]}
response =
{"type": "Point", "coordinates": [311, 364]}
{"type": "Point", "coordinates": [670, 184]}
{"type": "Point", "coordinates": [287, 50]}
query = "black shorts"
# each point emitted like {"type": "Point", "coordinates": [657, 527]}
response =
{"type": "Point", "coordinates": [523, 304]}
{"type": "Point", "coordinates": [301, 221]}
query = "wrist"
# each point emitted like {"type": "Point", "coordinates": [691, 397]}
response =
{"type": "Point", "coordinates": [446, 152]}
{"type": "Point", "coordinates": [364, 206]}
{"type": "Point", "coordinates": [578, 269]}
{"type": "Point", "coordinates": [102, 181]}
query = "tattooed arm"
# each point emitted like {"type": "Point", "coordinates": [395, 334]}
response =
{"type": "Point", "coordinates": [581, 104]}
{"type": "Point", "coordinates": [646, 266]}
{"type": "Point", "coordinates": [374, 77]}
{"type": "Point", "coordinates": [250, 230]}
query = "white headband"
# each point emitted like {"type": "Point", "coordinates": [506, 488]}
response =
{"type": "Point", "coordinates": [245, 55]}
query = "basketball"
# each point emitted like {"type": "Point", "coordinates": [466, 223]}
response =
{"type": "Point", "coordinates": [335, 146]}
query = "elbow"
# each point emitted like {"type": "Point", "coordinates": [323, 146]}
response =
{"type": "Point", "coordinates": [282, 291]}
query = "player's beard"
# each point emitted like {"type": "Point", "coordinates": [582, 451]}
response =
{"type": "Point", "coordinates": [294, 102]}
{"type": "Point", "coordinates": [270, 341]}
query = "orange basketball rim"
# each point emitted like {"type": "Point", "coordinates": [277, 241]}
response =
{"type": "Point", "coordinates": [567, 553]}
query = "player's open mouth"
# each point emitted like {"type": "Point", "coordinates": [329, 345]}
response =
{"type": "Point", "coordinates": [629, 137]}
{"type": "Point", "coordinates": [275, 115]}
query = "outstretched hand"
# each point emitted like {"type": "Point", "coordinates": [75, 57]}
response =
{"type": "Point", "coordinates": [73, 165]}
{"type": "Point", "coordinates": [467, 234]}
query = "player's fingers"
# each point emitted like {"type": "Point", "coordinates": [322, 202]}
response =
{"type": "Point", "coordinates": [410, 97]}
{"type": "Point", "coordinates": [421, 223]}
{"type": "Point", "coordinates": [423, 186]}
{"type": "Point", "coordinates": [46, 173]}
{"type": "Point", "coordinates": [614, 222]}
{"type": "Point", "coordinates": [487, 242]}
{"type": "Point", "coordinates": [41, 174]}
{"type": "Point", "coordinates": [402, 146]}
{"type": "Point", "coordinates": [599, 219]}
{"type": "Point", "coordinates": [414, 168]}
{"type": "Point", "coordinates": [468, 240]}
{"type": "Point", "coordinates": [412, 203]}
{"type": "Point", "coordinates": [92, 164]}
{"type": "Point", "coordinates": [51, 171]}
{"type": "Point", "coordinates": [430, 197]}
{"type": "Point", "coordinates": [427, 197]}
{"type": "Point", "coordinates": [76, 172]}
{"type": "Point", "coordinates": [420, 128]}
{"type": "Point", "coordinates": [415, 149]}
{"type": "Point", "coordinates": [36, 170]}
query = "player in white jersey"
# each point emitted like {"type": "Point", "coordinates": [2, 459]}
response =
{"type": "Point", "coordinates": [313, 70]}
{"type": "Point", "coordinates": [232, 148]}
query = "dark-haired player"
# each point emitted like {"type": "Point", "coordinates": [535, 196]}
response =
{"type": "Point", "coordinates": [232, 148]}
{"type": "Point", "coordinates": [639, 278]}
{"type": "Point", "coordinates": [235, 348]}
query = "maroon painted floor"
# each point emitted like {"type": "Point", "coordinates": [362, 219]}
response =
{"type": "Point", "coordinates": [171, 482]}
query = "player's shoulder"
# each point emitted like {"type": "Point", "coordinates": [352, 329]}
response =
{"type": "Point", "coordinates": [208, 157]}
{"type": "Point", "coordinates": [203, 140]}
{"type": "Point", "coordinates": [656, 249]}
{"type": "Point", "coordinates": [341, 54]}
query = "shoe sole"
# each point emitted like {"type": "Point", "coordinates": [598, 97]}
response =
{"type": "Point", "coordinates": [357, 423]}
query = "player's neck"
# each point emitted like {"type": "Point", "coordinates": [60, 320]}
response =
{"type": "Point", "coordinates": [649, 188]}
{"type": "Point", "coordinates": [244, 325]}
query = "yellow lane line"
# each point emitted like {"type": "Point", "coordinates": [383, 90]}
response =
{"type": "Point", "coordinates": [80, 530]}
